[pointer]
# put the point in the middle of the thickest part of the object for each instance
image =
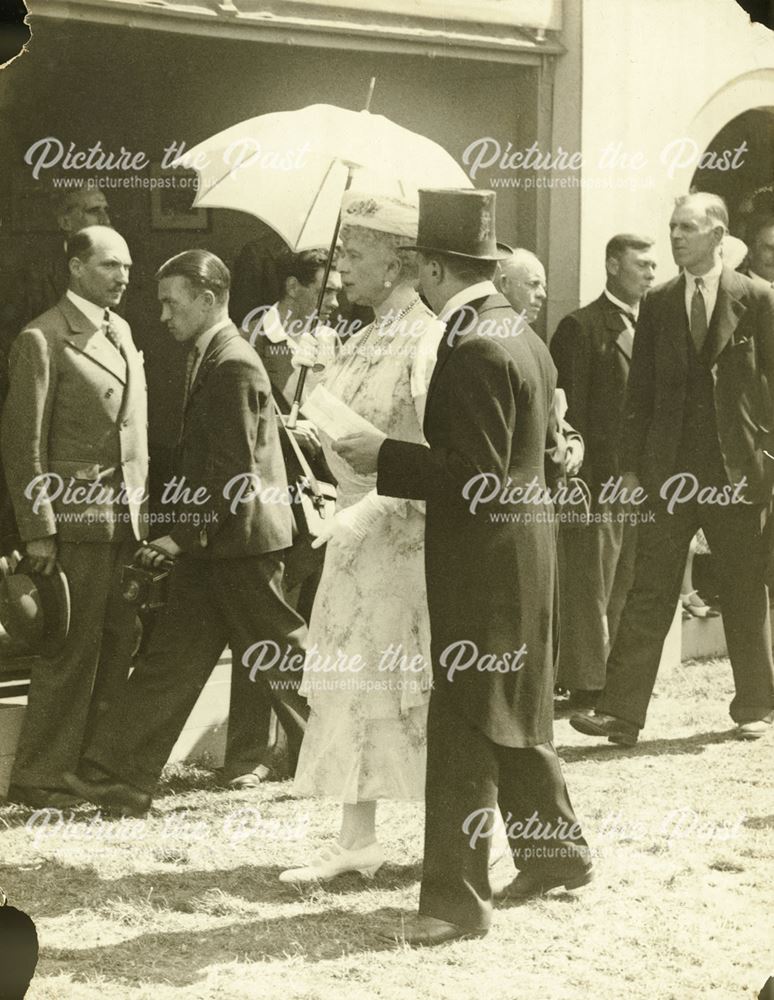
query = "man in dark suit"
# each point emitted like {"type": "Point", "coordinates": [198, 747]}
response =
{"type": "Point", "coordinates": [229, 538]}
{"type": "Point", "coordinates": [698, 440]}
{"type": "Point", "coordinates": [490, 564]}
{"type": "Point", "coordinates": [273, 331]}
{"type": "Point", "coordinates": [74, 446]}
{"type": "Point", "coordinates": [592, 349]}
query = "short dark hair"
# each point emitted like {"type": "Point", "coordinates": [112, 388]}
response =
{"type": "Point", "coordinates": [621, 242]}
{"type": "Point", "coordinates": [464, 268]}
{"type": "Point", "coordinates": [80, 244]}
{"type": "Point", "coordinates": [301, 266]}
{"type": "Point", "coordinates": [202, 269]}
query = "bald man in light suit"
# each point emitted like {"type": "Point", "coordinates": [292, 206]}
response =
{"type": "Point", "coordinates": [76, 418]}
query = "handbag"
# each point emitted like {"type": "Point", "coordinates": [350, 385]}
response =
{"type": "Point", "coordinates": [314, 500]}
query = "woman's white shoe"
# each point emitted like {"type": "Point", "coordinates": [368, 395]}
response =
{"type": "Point", "coordinates": [334, 860]}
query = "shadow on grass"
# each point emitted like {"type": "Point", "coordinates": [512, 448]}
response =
{"type": "Point", "coordinates": [181, 891]}
{"type": "Point", "coordinates": [184, 957]}
{"type": "Point", "coordinates": [646, 748]}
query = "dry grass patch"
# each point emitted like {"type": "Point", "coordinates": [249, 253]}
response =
{"type": "Point", "coordinates": [186, 904]}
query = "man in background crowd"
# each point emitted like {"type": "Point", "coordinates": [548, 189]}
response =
{"type": "Point", "coordinates": [592, 350]}
{"type": "Point", "coordinates": [522, 280]}
{"type": "Point", "coordinates": [760, 257]}
{"type": "Point", "coordinates": [42, 280]}
{"type": "Point", "coordinates": [273, 330]}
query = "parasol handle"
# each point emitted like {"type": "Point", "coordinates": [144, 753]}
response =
{"type": "Point", "coordinates": [293, 415]}
{"type": "Point", "coordinates": [371, 86]}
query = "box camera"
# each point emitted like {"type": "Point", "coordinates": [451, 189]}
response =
{"type": "Point", "coordinates": [147, 588]}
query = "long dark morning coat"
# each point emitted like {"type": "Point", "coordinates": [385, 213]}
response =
{"type": "Point", "coordinates": [490, 581]}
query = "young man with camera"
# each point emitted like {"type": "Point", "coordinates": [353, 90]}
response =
{"type": "Point", "coordinates": [227, 545]}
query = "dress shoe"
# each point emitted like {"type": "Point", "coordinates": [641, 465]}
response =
{"type": "Point", "coordinates": [755, 730]}
{"type": "Point", "coordinates": [42, 798]}
{"type": "Point", "coordinates": [530, 884]}
{"type": "Point", "coordinates": [694, 606]}
{"type": "Point", "coordinates": [111, 795]}
{"type": "Point", "coordinates": [253, 779]}
{"type": "Point", "coordinates": [423, 932]}
{"type": "Point", "coordinates": [333, 860]}
{"type": "Point", "coordinates": [599, 724]}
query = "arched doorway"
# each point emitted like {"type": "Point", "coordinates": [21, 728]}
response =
{"type": "Point", "coordinates": [755, 173]}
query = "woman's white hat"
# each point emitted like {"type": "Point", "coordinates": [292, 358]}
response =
{"type": "Point", "coordinates": [380, 212]}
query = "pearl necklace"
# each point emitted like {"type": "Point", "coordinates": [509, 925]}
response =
{"type": "Point", "coordinates": [386, 322]}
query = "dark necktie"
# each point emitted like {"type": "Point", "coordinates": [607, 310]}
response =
{"type": "Point", "coordinates": [698, 316]}
{"type": "Point", "coordinates": [110, 331]}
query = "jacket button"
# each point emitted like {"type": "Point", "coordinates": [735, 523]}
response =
{"type": "Point", "coordinates": [108, 394]}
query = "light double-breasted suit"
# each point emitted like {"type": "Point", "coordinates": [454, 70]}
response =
{"type": "Point", "coordinates": [76, 413]}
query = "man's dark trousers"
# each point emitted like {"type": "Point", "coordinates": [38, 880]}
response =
{"type": "Point", "coordinates": [212, 602]}
{"type": "Point", "coordinates": [736, 538]}
{"type": "Point", "coordinates": [468, 777]}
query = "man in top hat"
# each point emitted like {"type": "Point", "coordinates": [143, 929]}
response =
{"type": "Point", "coordinates": [490, 565]}
{"type": "Point", "coordinates": [74, 447]}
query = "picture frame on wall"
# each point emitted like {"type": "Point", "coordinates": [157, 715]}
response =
{"type": "Point", "coordinates": [171, 197]}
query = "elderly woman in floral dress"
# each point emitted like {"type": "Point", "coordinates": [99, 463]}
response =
{"type": "Point", "coordinates": [367, 674]}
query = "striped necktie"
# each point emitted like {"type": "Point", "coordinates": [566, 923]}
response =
{"type": "Point", "coordinates": [110, 331]}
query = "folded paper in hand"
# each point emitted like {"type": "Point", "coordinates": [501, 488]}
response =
{"type": "Point", "coordinates": [334, 418]}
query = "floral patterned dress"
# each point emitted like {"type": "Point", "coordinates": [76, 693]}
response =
{"type": "Point", "coordinates": [367, 674]}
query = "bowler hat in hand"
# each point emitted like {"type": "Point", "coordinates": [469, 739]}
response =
{"type": "Point", "coordinates": [35, 609]}
{"type": "Point", "coordinates": [459, 222]}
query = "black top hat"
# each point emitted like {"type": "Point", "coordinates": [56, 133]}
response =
{"type": "Point", "coordinates": [35, 609]}
{"type": "Point", "coordinates": [460, 222]}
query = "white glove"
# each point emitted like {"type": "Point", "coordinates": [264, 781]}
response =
{"type": "Point", "coordinates": [307, 352]}
{"type": "Point", "coordinates": [351, 525]}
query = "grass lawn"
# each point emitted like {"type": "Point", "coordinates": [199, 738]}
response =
{"type": "Point", "coordinates": [187, 903]}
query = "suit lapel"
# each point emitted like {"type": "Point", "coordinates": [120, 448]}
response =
{"type": "Point", "coordinates": [89, 341]}
{"type": "Point", "coordinates": [619, 328]}
{"type": "Point", "coordinates": [676, 326]}
{"type": "Point", "coordinates": [208, 362]}
{"type": "Point", "coordinates": [726, 314]}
